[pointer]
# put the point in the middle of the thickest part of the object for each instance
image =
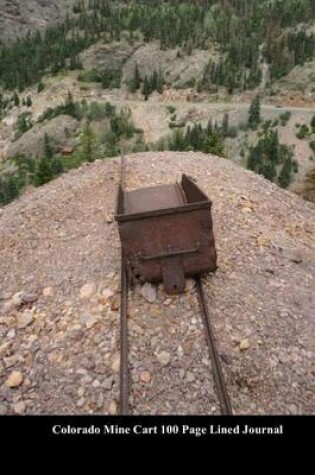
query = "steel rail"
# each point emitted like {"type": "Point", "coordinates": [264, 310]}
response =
{"type": "Point", "coordinates": [124, 370]}
{"type": "Point", "coordinates": [225, 404]}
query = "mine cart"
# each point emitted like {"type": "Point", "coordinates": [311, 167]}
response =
{"type": "Point", "coordinates": [166, 233]}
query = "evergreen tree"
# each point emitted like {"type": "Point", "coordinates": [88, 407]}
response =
{"type": "Point", "coordinates": [23, 124]}
{"type": "Point", "coordinates": [160, 82]}
{"type": "Point", "coordinates": [28, 101]}
{"type": "Point", "coordinates": [254, 113]}
{"type": "Point", "coordinates": [69, 107]}
{"type": "Point", "coordinates": [40, 87]}
{"type": "Point", "coordinates": [9, 189]}
{"type": "Point", "coordinates": [87, 143]}
{"type": "Point", "coordinates": [146, 90]}
{"type": "Point", "coordinates": [56, 166]}
{"type": "Point", "coordinates": [16, 99]}
{"type": "Point", "coordinates": [225, 125]}
{"type": "Point", "coordinates": [43, 172]}
{"type": "Point", "coordinates": [135, 82]}
{"type": "Point", "coordinates": [214, 144]}
{"type": "Point", "coordinates": [48, 152]}
{"type": "Point", "coordinates": [285, 177]}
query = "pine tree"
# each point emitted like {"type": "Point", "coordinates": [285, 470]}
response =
{"type": "Point", "coordinates": [40, 87]}
{"type": "Point", "coordinates": [69, 106]}
{"type": "Point", "coordinates": [146, 90]}
{"type": "Point", "coordinates": [28, 101]}
{"type": "Point", "coordinates": [48, 152]}
{"type": "Point", "coordinates": [254, 113]}
{"type": "Point", "coordinates": [56, 166]}
{"type": "Point", "coordinates": [225, 125]}
{"type": "Point", "coordinates": [285, 174]}
{"type": "Point", "coordinates": [135, 81]}
{"type": "Point", "coordinates": [87, 143]}
{"type": "Point", "coordinates": [43, 172]}
{"type": "Point", "coordinates": [16, 99]}
{"type": "Point", "coordinates": [160, 82]}
{"type": "Point", "coordinates": [214, 144]}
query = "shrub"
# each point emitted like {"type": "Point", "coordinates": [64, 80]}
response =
{"type": "Point", "coordinates": [303, 132]}
{"type": "Point", "coordinates": [295, 166]}
{"type": "Point", "coordinates": [284, 118]}
{"type": "Point", "coordinates": [171, 109]}
{"type": "Point", "coordinates": [90, 75]}
{"type": "Point", "coordinates": [232, 132]}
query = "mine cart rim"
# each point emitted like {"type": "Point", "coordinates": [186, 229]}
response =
{"type": "Point", "coordinates": [163, 212]}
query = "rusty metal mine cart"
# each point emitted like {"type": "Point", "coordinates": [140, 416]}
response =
{"type": "Point", "coordinates": [166, 233]}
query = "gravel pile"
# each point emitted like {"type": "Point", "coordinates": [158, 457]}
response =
{"type": "Point", "coordinates": [59, 298]}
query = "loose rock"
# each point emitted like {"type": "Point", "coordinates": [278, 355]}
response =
{"type": "Point", "coordinates": [145, 376]}
{"type": "Point", "coordinates": [148, 292]}
{"type": "Point", "coordinates": [24, 320]}
{"type": "Point", "coordinates": [87, 291]}
{"type": "Point", "coordinates": [19, 407]}
{"type": "Point", "coordinates": [244, 345]}
{"type": "Point", "coordinates": [48, 292]}
{"type": "Point", "coordinates": [164, 358]}
{"type": "Point", "coordinates": [14, 380]}
{"type": "Point", "coordinates": [107, 293]}
{"type": "Point", "coordinates": [112, 408]}
{"type": "Point", "coordinates": [116, 364]}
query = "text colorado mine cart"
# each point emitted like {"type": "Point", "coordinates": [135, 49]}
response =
{"type": "Point", "coordinates": [166, 234]}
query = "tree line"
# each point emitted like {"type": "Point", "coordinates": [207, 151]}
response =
{"type": "Point", "coordinates": [237, 27]}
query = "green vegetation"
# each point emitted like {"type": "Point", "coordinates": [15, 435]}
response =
{"type": "Point", "coordinates": [153, 83]}
{"type": "Point", "coordinates": [284, 118]}
{"type": "Point", "coordinates": [23, 124]}
{"type": "Point", "coordinates": [29, 172]}
{"type": "Point", "coordinates": [272, 160]}
{"type": "Point", "coordinates": [135, 82]}
{"type": "Point", "coordinates": [8, 189]}
{"type": "Point", "coordinates": [303, 132]}
{"type": "Point", "coordinates": [68, 108]}
{"type": "Point", "coordinates": [110, 79]}
{"type": "Point", "coordinates": [170, 109]}
{"type": "Point", "coordinates": [209, 139]}
{"type": "Point", "coordinates": [237, 28]}
{"type": "Point", "coordinates": [118, 129]}
{"type": "Point", "coordinates": [254, 114]}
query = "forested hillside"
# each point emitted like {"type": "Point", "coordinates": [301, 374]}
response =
{"type": "Point", "coordinates": [85, 84]}
{"type": "Point", "coordinates": [18, 17]}
{"type": "Point", "coordinates": [244, 32]}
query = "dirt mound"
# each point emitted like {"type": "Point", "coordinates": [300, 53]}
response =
{"type": "Point", "coordinates": [59, 323]}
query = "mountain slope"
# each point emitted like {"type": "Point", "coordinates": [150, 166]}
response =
{"type": "Point", "coordinates": [19, 17]}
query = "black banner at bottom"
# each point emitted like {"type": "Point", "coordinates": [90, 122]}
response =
{"type": "Point", "coordinates": [158, 427]}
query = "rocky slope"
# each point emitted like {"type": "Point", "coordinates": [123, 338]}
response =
{"type": "Point", "coordinates": [59, 324]}
{"type": "Point", "coordinates": [19, 17]}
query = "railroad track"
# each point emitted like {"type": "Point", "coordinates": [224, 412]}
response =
{"type": "Point", "coordinates": [125, 381]}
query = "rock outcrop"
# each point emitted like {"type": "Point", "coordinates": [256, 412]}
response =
{"type": "Point", "coordinates": [20, 17]}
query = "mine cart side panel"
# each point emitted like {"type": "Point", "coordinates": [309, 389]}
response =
{"type": "Point", "coordinates": [154, 245]}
